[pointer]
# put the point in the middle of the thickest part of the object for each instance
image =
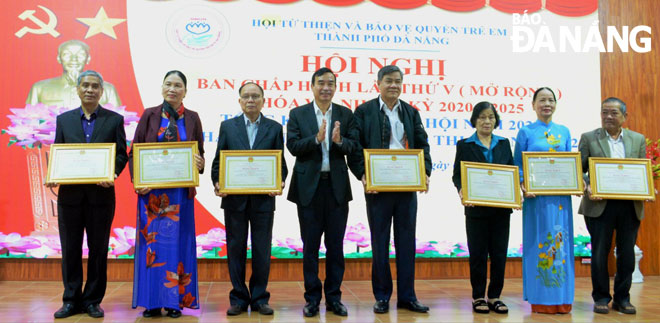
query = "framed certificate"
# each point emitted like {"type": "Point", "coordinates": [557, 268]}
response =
{"type": "Point", "coordinates": [553, 173]}
{"type": "Point", "coordinates": [81, 163]}
{"type": "Point", "coordinates": [621, 178]}
{"type": "Point", "coordinates": [492, 185]}
{"type": "Point", "coordinates": [250, 171]}
{"type": "Point", "coordinates": [395, 170]}
{"type": "Point", "coordinates": [165, 164]}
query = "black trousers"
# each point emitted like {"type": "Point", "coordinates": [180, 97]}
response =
{"type": "Point", "coordinates": [73, 221]}
{"type": "Point", "coordinates": [487, 236]}
{"type": "Point", "coordinates": [382, 210]}
{"type": "Point", "coordinates": [618, 215]}
{"type": "Point", "coordinates": [323, 216]}
{"type": "Point", "coordinates": [261, 229]}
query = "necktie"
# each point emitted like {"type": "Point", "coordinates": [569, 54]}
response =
{"type": "Point", "coordinates": [386, 129]}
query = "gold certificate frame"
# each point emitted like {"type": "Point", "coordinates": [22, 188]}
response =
{"type": "Point", "coordinates": [395, 170]}
{"type": "Point", "coordinates": [250, 171]}
{"type": "Point", "coordinates": [492, 185]}
{"type": "Point", "coordinates": [165, 165]}
{"type": "Point", "coordinates": [621, 178]}
{"type": "Point", "coordinates": [552, 173]}
{"type": "Point", "coordinates": [88, 163]}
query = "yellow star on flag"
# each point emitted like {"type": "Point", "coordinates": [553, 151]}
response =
{"type": "Point", "coordinates": [101, 24]}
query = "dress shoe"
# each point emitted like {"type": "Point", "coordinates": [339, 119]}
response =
{"type": "Point", "coordinates": [236, 310]}
{"type": "Point", "coordinates": [336, 307]}
{"type": "Point", "coordinates": [624, 307]}
{"type": "Point", "coordinates": [601, 308]}
{"type": "Point", "coordinates": [414, 306]}
{"type": "Point", "coordinates": [173, 313]}
{"type": "Point", "coordinates": [263, 309]}
{"type": "Point", "coordinates": [94, 310]}
{"type": "Point", "coordinates": [152, 312]}
{"type": "Point", "coordinates": [66, 310]}
{"type": "Point", "coordinates": [311, 309]}
{"type": "Point", "coordinates": [381, 307]}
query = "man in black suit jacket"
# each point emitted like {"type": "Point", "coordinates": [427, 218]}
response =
{"type": "Point", "coordinates": [250, 130]}
{"type": "Point", "coordinates": [387, 122]}
{"type": "Point", "coordinates": [319, 135]}
{"type": "Point", "coordinates": [88, 207]}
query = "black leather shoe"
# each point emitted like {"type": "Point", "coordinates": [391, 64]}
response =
{"type": "Point", "coordinates": [311, 309]}
{"type": "Point", "coordinates": [94, 310]}
{"type": "Point", "coordinates": [66, 310]}
{"type": "Point", "coordinates": [624, 307]}
{"type": "Point", "coordinates": [236, 310]}
{"type": "Point", "coordinates": [173, 313]}
{"type": "Point", "coordinates": [381, 307]}
{"type": "Point", "coordinates": [263, 309]}
{"type": "Point", "coordinates": [152, 312]}
{"type": "Point", "coordinates": [414, 306]}
{"type": "Point", "coordinates": [336, 307]}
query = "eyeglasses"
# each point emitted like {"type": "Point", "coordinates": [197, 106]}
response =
{"type": "Point", "coordinates": [247, 97]}
{"type": "Point", "coordinates": [484, 118]}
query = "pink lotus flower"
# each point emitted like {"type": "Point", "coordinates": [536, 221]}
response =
{"type": "Point", "coordinates": [124, 243]}
{"type": "Point", "coordinates": [215, 238]}
{"type": "Point", "coordinates": [445, 247]}
{"type": "Point", "coordinates": [50, 247]}
{"type": "Point", "coordinates": [291, 243]}
{"type": "Point", "coordinates": [14, 243]}
{"type": "Point", "coordinates": [34, 125]}
{"type": "Point", "coordinates": [423, 246]}
{"type": "Point", "coordinates": [464, 248]}
{"type": "Point", "coordinates": [359, 234]}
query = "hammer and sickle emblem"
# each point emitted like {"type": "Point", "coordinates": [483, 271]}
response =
{"type": "Point", "coordinates": [46, 28]}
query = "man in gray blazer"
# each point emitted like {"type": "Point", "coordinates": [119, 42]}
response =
{"type": "Point", "coordinates": [604, 216]}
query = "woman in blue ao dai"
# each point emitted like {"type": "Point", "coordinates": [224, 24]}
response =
{"type": "Point", "coordinates": [548, 266]}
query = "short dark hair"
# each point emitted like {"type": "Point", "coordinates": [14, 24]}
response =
{"type": "Point", "coordinates": [622, 105]}
{"type": "Point", "coordinates": [541, 89]}
{"type": "Point", "coordinates": [481, 107]}
{"type": "Point", "coordinates": [247, 83]}
{"type": "Point", "coordinates": [179, 74]}
{"type": "Point", "coordinates": [322, 71]}
{"type": "Point", "coordinates": [388, 69]}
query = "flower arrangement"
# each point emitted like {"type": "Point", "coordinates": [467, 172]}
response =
{"type": "Point", "coordinates": [653, 153]}
{"type": "Point", "coordinates": [34, 125]}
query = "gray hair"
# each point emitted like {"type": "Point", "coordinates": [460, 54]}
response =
{"type": "Point", "coordinates": [622, 105]}
{"type": "Point", "coordinates": [73, 42]}
{"type": "Point", "coordinates": [388, 69]}
{"type": "Point", "coordinates": [90, 73]}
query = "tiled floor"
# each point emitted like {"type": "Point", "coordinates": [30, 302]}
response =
{"type": "Point", "coordinates": [449, 301]}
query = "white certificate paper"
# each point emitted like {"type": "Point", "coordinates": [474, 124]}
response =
{"type": "Point", "coordinates": [395, 170]}
{"type": "Point", "coordinates": [166, 165]}
{"type": "Point", "coordinates": [250, 172]}
{"type": "Point", "coordinates": [80, 163]}
{"type": "Point", "coordinates": [552, 173]}
{"type": "Point", "coordinates": [622, 179]}
{"type": "Point", "coordinates": [491, 185]}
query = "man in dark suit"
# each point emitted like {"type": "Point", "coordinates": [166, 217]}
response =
{"type": "Point", "coordinates": [389, 123]}
{"type": "Point", "coordinates": [87, 207]}
{"type": "Point", "coordinates": [603, 217]}
{"type": "Point", "coordinates": [319, 135]}
{"type": "Point", "coordinates": [250, 130]}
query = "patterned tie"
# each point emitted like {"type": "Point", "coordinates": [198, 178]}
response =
{"type": "Point", "coordinates": [386, 129]}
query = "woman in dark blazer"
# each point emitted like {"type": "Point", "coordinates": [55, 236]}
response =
{"type": "Point", "coordinates": [165, 249]}
{"type": "Point", "coordinates": [487, 227]}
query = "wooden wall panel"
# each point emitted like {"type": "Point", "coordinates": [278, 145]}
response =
{"type": "Point", "coordinates": [281, 269]}
{"type": "Point", "coordinates": [635, 78]}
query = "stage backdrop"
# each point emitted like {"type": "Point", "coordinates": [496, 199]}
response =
{"type": "Point", "coordinates": [455, 53]}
